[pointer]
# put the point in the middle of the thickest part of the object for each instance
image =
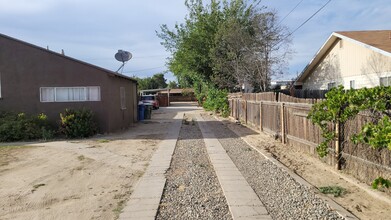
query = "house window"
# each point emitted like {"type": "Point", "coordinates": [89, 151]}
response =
{"type": "Point", "coordinates": [93, 93]}
{"type": "Point", "coordinates": [331, 85]}
{"type": "Point", "coordinates": [70, 94]}
{"type": "Point", "coordinates": [385, 81]}
{"type": "Point", "coordinates": [75, 94]}
{"type": "Point", "coordinates": [47, 94]}
{"type": "Point", "coordinates": [123, 98]}
{"type": "Point", "coordinates": [352, 84]}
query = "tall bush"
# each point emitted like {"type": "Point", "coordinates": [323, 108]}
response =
{"type": "Point", "coordinates": [217, 100]}
{"type": "Point", "coordinates": [78, 123]}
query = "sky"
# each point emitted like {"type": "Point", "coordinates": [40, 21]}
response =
{"type": "Point", "coordinates": [94, 30]}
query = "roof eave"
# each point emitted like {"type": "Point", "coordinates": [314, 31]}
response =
{"type": "Point", "coordinates": [318, 56]}
{"type": "Point", "coordinates": [109, 72]}
{"type": "Point", "coordinates": [326, 46]}
{"type": "Point", "coordinates": [363, 44]}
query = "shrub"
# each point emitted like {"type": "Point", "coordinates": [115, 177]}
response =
{"type": "Point", "coordinates": [341, 105]}
{"type": "Point", "coordinates": [381, 182]}
{"type": "Point", "coordinates": [217, 100]}
{"type": "Point", "coordinates": [77, 123]}
{"type": "Point", "coordinates": [21, 126]}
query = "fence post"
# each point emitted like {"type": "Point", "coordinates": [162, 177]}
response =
{"type": "Point", "coordinates": [234, 108]}
{"type": "Point", "coordinates": [245, 111]}
{"type": "Point", "coordinates": [337, 146]}
{"type": "Point", "coordinates": [237, 109]}
{"type": "Point", "coordinates": [282, 123]}
{"type": "Point", "coordinates": [260, 116]}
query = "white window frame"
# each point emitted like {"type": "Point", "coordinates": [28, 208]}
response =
{"type": "Point", "coordinates": [41, 93]}
{"type": "Point", "coordinates": [352, 84]}
{"type": "Point", "coordinates": [81, 100]}
{"type": "Point", "coordinates": [87, 95]}
{"type": "Point", "coordinates": [387, 78]}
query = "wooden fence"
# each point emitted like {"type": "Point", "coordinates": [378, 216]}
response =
{"type": "Point", "coordinates": [285, 118]}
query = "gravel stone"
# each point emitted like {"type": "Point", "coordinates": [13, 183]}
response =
{"type": "Point", "coordinates": [192, 189]}
{"type": "Point", "coordinates": [282, 195]}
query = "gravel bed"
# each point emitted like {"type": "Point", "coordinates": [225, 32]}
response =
{"type": "Point", "coordinates": [192, 189]}
{"type": "Point", "coordinates": [282, 195]}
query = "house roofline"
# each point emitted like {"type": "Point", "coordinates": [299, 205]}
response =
{"type": "Point", "coordinates": [385, 53]}
{"type": "Point", "coordinates": [109, 72]}
{"type": "Point", "coordinates": [326, 46]}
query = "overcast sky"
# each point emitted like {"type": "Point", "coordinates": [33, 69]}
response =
{"type": "Point", "coordinates": [93, 30]}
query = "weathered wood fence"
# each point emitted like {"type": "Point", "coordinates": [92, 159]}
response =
{"type": "Point", "coordinates": [285, 118]}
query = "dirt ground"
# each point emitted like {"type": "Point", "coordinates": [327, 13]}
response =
{"type": "Point", "coordinates": [373, 205]}
{"type": "Point", "coordinates": [79, 179]}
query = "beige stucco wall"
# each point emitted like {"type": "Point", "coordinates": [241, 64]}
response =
{"type": "Point", "coordinates": [348, 61]}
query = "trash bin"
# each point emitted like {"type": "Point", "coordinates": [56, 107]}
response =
{"type": "Point", "coordinates": [141, 109]}
{"type": "Point", "coordinates": [148, 112]}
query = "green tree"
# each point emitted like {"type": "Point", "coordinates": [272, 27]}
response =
{"type": "Point", "coordinates": [144, 83]}
{"type": "Point", "coordinates": [190, 43]}
{"type": "Point", "coordinates": [157, 81]}
{"type": "Point", "coordinates": [173, 85]}
{"type": "Point", "coordinates": [224, 44]}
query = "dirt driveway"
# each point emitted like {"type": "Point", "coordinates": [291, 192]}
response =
{"type": "Point", "coordinates": [79, 179]}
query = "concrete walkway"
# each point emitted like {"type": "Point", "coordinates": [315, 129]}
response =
{"type": "Point", "coordinates": [144, 201]}
{"type": "Point", "coordinates": [241, 198]}
{"type": "Point", "coordinates": [242, 201]}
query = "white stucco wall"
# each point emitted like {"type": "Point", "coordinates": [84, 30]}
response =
{"type": "Point", "coordinates": [348, 61]}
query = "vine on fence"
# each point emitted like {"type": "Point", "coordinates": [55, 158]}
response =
{"type": "Point", "coordinates": [341, 105]}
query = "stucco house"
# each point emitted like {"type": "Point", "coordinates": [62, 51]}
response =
{"type": "Point", "coordinates": [36, 80]}
{"type": "Point", "coordinates": [354, 59]}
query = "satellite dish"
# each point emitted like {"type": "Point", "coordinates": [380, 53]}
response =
{"type": "Point", "coordinates": [122, 56]}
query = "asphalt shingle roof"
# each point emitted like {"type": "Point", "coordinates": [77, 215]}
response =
{"type": "Point", "coordinates": [380, 39]}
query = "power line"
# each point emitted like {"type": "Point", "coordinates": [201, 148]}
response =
{"type": "Point", "coordinates": [144, 69]}
{"type": "Point", "coordinates": [134, 57]}
{"type": "Point", "coordinates": [290, 12]}
{"type": "Point", "coordinates": [150, 56]}
{"type": "Point", "coordinates": [310, 18]}
{"type": "Point", "coordinates": [301, 25]}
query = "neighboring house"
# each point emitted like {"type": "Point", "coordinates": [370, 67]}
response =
{"type": "Point", "coordinates": [36, 80]}
{"type": "Point", "coordinates": [354, 59]}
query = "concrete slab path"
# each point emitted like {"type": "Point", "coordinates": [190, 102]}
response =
{"type": "Point", "coordinates": [145, 199]}
{"type": "Point", "coordinates": [241, 198]}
